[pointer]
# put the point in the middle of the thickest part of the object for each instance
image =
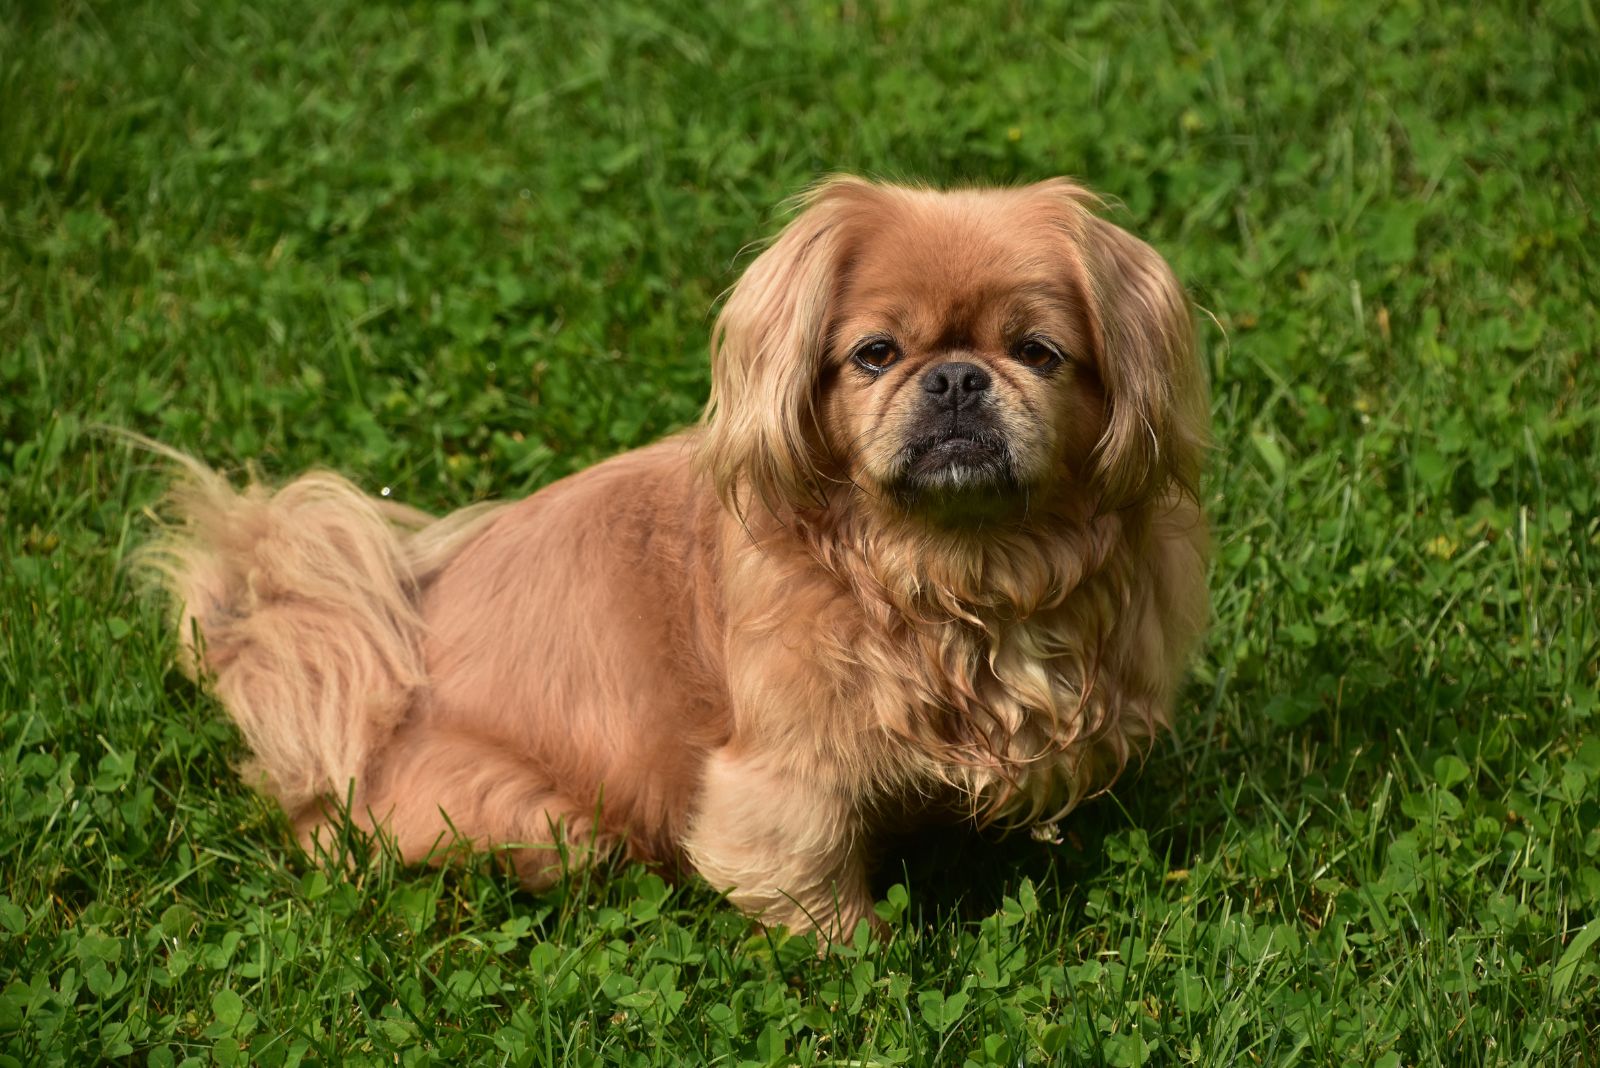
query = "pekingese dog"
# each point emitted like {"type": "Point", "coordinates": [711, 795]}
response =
{"type": "Point", "coordinates": [933, 553]}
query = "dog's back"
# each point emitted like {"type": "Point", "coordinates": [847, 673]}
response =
{"type": "Point", "coordinates": [452, 678]}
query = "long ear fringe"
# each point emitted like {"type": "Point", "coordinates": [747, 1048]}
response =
{"type": "Point", "coordinates": [766, 353]}
{"type": "Point", "coordinates": [1159, 412]}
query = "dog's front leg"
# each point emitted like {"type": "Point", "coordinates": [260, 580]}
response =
{"type": "Point", "coordinates": [785, 847]}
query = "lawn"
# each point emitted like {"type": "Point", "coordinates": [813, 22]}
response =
{"type": "Point", "coordinates": [461, 249]}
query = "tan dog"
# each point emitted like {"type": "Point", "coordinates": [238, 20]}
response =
{"type": "Point", "coordinates": [934, 553]}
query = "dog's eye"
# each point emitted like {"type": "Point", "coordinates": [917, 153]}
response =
{"type": "Point", "coordinates": [1037, 353]}
{"type": "Point", "coordinates": [877, 354]}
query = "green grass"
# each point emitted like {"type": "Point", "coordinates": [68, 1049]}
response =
{"type": "Point", "coordinates": [460, 251]}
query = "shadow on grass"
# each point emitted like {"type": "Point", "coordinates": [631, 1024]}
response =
{"type": "Point", "coordinates": [961, 873]}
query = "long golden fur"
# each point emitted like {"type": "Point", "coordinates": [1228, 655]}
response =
{"type": "Point", "coordinates": [934, 553]}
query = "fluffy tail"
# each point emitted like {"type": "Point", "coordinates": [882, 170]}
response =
{"type": "Point", "coordinates": [299, 605]}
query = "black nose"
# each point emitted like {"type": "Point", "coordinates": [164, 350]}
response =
{"type": "Point", "coordinates": [956, 385]}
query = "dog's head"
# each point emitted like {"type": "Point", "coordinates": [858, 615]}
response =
{"type": "Point", "coordinates": [954, 355]}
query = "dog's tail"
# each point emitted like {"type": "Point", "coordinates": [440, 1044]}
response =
{"type": "Point", "coordinates": [300, 607]}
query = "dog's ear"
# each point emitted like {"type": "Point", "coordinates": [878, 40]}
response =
{"type": "Point", "coordinates": [767, 349]}
{"type": "Point", "coordinates": [1157, 431]}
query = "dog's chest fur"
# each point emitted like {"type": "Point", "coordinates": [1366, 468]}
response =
{"type": "Point", "coordinates": [918, 696]}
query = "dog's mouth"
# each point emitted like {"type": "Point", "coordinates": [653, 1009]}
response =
{"type": "Point", "coordinates": [956, 461]}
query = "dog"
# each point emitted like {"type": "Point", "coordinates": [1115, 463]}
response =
{"type": "Point", "coordinates": [933, 553]}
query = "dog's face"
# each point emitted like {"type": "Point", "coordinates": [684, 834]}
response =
{"type": "Point", "coordinates": [958, 372]}
{"type": "Point", "coordinates": [953, 356]}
